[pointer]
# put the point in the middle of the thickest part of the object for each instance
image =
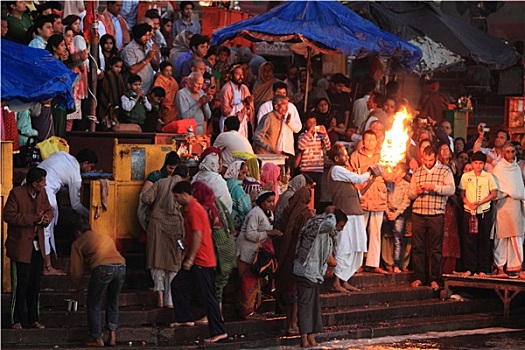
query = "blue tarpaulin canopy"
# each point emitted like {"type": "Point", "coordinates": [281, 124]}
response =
{"type": "Point", "coordinates": [327, 26]}
{"type": "Point", "coordinates": [34, 75]}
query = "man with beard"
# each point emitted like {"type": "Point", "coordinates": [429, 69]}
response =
{"type": "Point", "coordinates": [236, 101]}
{"type": "Point", "coordinates": [138, 57]}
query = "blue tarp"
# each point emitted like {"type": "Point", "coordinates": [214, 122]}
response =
{"type": "Point", "coordinates": [325, 25]}
{"type": "Point", "coordinates": [34, 75]}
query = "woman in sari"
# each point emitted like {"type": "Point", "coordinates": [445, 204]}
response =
{"type": "Point", "coordinates": [242, 204]}
{"type": "Point", "coordinates": [257, 228]}
{"type": "Point", "coordinates": [209, 168]}
{"type": "Point", "coordinates": [296, 215]}
{"type": "Point", "coordinates": [222, 233]}
{"type": "Point", "coordinates": [166, 81]}
{"type": "Point", "coordinates": [270, 178]}
{"type": "Point", "coordinates": [165, 228]}
{"type": "Point", "coordinates": [284, 198]}
{"type": "Point", "coordinates": [263, 88]}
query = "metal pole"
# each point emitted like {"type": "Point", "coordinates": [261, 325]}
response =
{"type": "Point", "coordinates": [308, 67]}
{"type": "Point", "coordinates": [93, 68]}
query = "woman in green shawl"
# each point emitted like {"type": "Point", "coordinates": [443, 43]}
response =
{"type": "Point", "coordinates": [242, 205]}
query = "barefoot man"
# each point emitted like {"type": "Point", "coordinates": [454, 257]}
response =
{"type": "Point", "coordinates": [351, 241]}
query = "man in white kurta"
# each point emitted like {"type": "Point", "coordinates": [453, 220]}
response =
{"type": "Point", "coordinates": [63, 170]}
{"type": "Point", "coordinates": [351, 241]}
{"type": "Point", "coordinates": [510, 213]}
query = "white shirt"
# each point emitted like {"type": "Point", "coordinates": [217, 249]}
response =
{"type": "Point", "coordinates": [360, 111]}
{"type": "Point", "coordinates": [286, 140]}
{"type": "Point", "coordinates": [128, 103]}
{"type": "Point", "coordinates": [63, 170]}
{"type": "Point", "coordinates": [229, 142]}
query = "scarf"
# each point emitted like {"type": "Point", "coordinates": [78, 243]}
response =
{"type": "Point", "coordinates": [319, 224]}
{"type": "Point", "coordinates": [263, 89]}
{"type": "Point", "coordinates": [233, 170]}
{"type": "Point", "coordinates": [110, 28]}
{"type": "Point", "coordinates": [270, 173]}
{"type": "Point", "coordinates": [509, 179]}
{"type": "Point", "coordinates": [251, 163]}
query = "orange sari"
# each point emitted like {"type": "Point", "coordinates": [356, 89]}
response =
{"type": "Point", "coordinates": [169, 108]}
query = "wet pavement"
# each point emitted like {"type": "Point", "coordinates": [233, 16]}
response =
{"type": "Point", "coordinates": [489, 338]}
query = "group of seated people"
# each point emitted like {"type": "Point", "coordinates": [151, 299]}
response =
{"type": "Point", "coordinates": [449, 206]}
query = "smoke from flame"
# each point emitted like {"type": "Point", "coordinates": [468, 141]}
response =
{"type": "Point", "coordinates": [395, 144]}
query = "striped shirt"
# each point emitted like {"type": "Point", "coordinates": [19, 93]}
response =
{"type": "Point", "coordinates": [433, 202]}
{"type": "Point", "coordinates": [312, 146]}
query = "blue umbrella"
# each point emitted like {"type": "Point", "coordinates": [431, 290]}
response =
{"type": "Point", "coordinates": [327, 26]}
{"type": "Point", "coordinates": [34, 75]}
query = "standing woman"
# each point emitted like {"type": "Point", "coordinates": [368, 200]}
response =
{"type": "Point", "coordinates": [257, 228]}
{"type": "Point", "coordinates": [296, 183]}
{"type": "Point", "coordinates": [242, 204]}
{"type": "Point", "coordinates": [56, 45]}
{"type": "Point", "coordinates": [295, 216]}
{"type": "Point", "coordinates": [165, 228]}
{"type": "Point", "coordinates": [451, 245]}
{"type": "Point", "coordinates": [222, 233]}
{"type": "Point", "coordinates": [263, 87]}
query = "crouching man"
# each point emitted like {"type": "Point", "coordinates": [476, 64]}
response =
{"type": "Point", "coordinates": [108, 269]}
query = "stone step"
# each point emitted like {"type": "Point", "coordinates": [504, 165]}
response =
{"type": "Point", "coordinates": [242, 337]}
{"type": "Point", "coordinates": [57, 299]}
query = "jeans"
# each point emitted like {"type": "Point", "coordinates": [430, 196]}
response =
{"type": "Point", "coordinates": [397, 228]}
{"type": "Point", "coordinates": [104, 278]}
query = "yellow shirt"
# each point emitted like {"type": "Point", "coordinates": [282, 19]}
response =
{"type": "Point", "coordinates": [476, 188]}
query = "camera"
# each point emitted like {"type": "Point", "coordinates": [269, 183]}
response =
{"type": "Point", "coordinates": [317, 128]}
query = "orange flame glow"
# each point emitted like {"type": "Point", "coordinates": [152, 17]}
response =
{"type": "Point", "coordinates": [395, 144]}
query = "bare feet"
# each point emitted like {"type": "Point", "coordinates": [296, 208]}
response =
{"type": "Point", "coordinates": [396, 270]}
{"type": "Point", "coordinates": [202, 321]}
{"type": "Point", "coordinates": [96, 343]}
{"type": "Point", "coordinates": [377, 270]}
{"type": "Point", "coordinates": [255, 316]}
{"type": "Point", "coordinates": [17, 325]}
{"type": "Point", "coordinates": [416, 283]}
{"type": "Point", "coordinates": [359, 270]}
{"type": "Point", "coordinates": [435, 286]}
{"type": "Point", "coordinates": [336, 287]}
{"type": "Point", "coordinates": [112, 341]}
{"type": "Point", "coordinates": [182, 324]}
{"type": "Point", "coordinates": [349, 287]}
{"type": "Point", "coordinates": [466, 274]}
{"type": "Point", "coordinates": [51, 271]}
{"type": "Point", "coordinates": [500, 272]}
{"type": "Point", "coordinates": [311, 340]}
{"type": "Point", "coordinates": [38, 325]}
{"type": "Point", "coordinates": [304, 341]}
{"type": "Point", "coordinates": [293, 331]}
{"type": "Point", "coordinates": [216, 338]}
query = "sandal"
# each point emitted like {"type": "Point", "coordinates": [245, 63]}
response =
{"type": "Point", "coordinates": [17, 325]}
{"type": "Point", "coordinates": [38, 325]}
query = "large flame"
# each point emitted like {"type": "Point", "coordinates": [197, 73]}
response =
{"type": "Point", "coordinates": [395, 144]}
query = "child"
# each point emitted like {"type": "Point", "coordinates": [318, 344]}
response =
{"type": "Point", "coordinates": [154, 117]}
{"type": "Point", "coordinates": [397, 202]}
{"type": "Point", "coordinates": [166, 81]}
{"type": "Point", "coordinates": [111, 88]}
{"type": "Point", "coordinates": [134, 102]}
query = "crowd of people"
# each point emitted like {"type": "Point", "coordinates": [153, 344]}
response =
{"type": "Point", "coordinates": [450, 206]}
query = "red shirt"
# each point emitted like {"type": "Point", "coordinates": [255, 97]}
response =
{"type": "Point", "coordinates": [196, 219]}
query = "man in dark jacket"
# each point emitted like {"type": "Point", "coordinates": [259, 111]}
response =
{"type": "Point", "coordinates": [27, 211]}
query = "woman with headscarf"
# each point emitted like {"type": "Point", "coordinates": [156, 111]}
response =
{"type": "Point", "coordinates": [242, 204]}
{"type": "Point", "coordinates": [165, 228]}
{"type": "Point", "coordinates": [263, 87]}
{"type": "Point", "coordinates": [257, 228]}
{"type": "Point", "coordinates": [181, 46]}
{"type": "Point", "coordinates": [329, 118]}
{"type": "Point", "coordinates": [284, 198]}
{"type": "Point", "coordinates": [209, 168]}
{"type": "Point", "coordinates": [295, 216]}
{"type": "Point", "coordinates": [270, 178]}
{"type": "Point", "coordinates": [222, 233]}
{"type": "Point", "coordinates": [251, 183]}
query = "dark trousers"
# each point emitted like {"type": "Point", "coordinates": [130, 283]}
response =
{"type": "Point", "coordinates": [427, 238]}
{"type": "Point", "coordinates": [105, 279]}
{"type": "Point", "coordinates": [476, 248]}
{"type": "Point", "coordinates": [309, 316]}
{"type": "Point", "coordinates": [25, 282]}
{"type": "Point", "coordinates": [203, 278]}
{"type": "Point", "coordinates": [318, 178]}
